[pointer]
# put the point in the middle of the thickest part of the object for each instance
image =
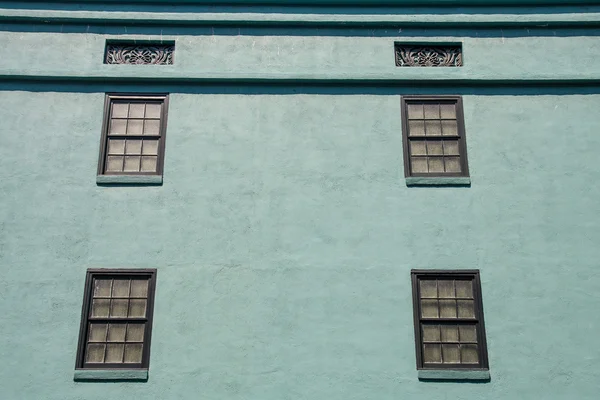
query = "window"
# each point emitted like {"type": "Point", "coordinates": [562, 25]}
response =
{"type": "Point", "coordinates": [116, 319]}
{"type": "Point", "coordinates": [434, 136]}
{"type": "Point", "coordinates": [133, 139]}
{"type": "Point", "coordinates": [449, 328]}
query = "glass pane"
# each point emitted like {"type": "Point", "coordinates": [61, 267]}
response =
{"type": "Point", "coordinates": [431, 333]}
{"type": "Point", "coordinates": [435, 164]}
{"type": "Point", "coordinates": [433, 128]}
{"type": "Point", "coordinates": [97, 333]}
{"type": "Point", "coordinates": [95, 353]}
{"type": "Point", "coordinates": [102, 287]}
{"type": "Point", "coordinates": [116, 332]}
{"type": "Point", "coordinates": [148, 164]}
{"type": "Point", "coordinates": [114, 164]}
{"type": "Point", "coordinates": [119, 308]}
{"type": "Point", "coordinates": [416, 128]}
{"type": "Point", "coordinates": [469, 354]}
{"type": "Point", "coordinates": [134, 146]}
{"type": "Point", "coordinates": [135, 126]}
{"type": "Point", "coordinates": [447, 308]}
{"type": "Point", "coordinates": [150, 147]}
{"type": "Point", "coordinates": [417, 148]}
{"type": "Point", "coordinates": [451, 147]}
{"type": "Point", "coordinates": [135, 333]}
{"type": "Point", "coordinates": [446, 289]}
{"type": "Point", "coordinates": [428, 288]}
{"type": "Point", "coordinates": [452, 164]}
{"type": "Point", "coordinates": [114, 353]}
{"type": "Point", "coordinates": [449, 128]}
{"type": "Point", "coordinates": [153, 110]}
{"type": "Point", "coordinates": [448, 111]}
{"type": "Point", "coordinates": [418, 164]}
{"type": "Point", "coordinates": [429, 308]}
{"type": "Point", "coordinates": [136, 110]}
{"type": "Point", "coordinates": [432, 111]}
{"type": "Point", "coordinates": [467, 333]}
{"type": "Point", "coordinates": [133, 353]}
{"type": "Point", "coordinates": [100, 307]}
{"type": "Point", "coordinates": [116, 146]}
{"type": "Point", "coordinates": [132, 164]}
{"type": "Point", "coordinates": [415, 111]}
{"type": "Point", "coordinates": [119, 110]}
{"type": "Point", "coordinates": [152, 127]}
{"type": "Point", "coordinates": [120, 288]}
{"type": "Point", "coordinates": [449, 333]}
{"type": "Point", "coordinates": [432, 353]}
{"type": "Point", "coordinates": [117, 126]}
{"type": "Point", "coordinates": [466, 309]}
{"type": "Point", "coordinates": [450, 354]}
{"type": "Point", "coordinates": [139, 288]}
{"type": "Point", "coordinates": [434, 148]}
{"type": "Point", "coordinates": [464, 289]}
{"type": "Point", "coordinates": [137, 308]}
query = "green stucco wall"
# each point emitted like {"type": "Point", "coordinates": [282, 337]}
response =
{"type": "Point", "coordinates": [284, 232]}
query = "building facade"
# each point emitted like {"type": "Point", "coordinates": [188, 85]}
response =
{"type": "Point", "coordinates": [299, 200]}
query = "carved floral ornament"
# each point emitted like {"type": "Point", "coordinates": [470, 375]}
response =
{"type": "Point", "coordinates": [139, 54]}
{"type": "Point", "coordinates": [428, 56]}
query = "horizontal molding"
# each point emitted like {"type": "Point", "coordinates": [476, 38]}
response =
{"type": "Point", "coordinates": [455, 374]}
{"type": "Point", "coordinates": [367, 3]}
{"type": "Point", "coordinates": [395, 20]}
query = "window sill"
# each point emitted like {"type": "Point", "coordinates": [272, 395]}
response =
{"type": "Point", "coordinates": [438, 181]}
{"type": "Point", "coordinates": [455, 374]}
{"type": "Point", "coordinates": [129, 179]}
{"type": "Point", "coordinates": [111, 375]}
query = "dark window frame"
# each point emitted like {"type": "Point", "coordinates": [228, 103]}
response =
{"type": "Point", "coordinates": [141, 98]}
{"type": "Point", "coordinates": [150, 274]}
{"type": "Point", "coordinates": [473, 275]}
{"type": "Point", "coordinates": [462, 142]}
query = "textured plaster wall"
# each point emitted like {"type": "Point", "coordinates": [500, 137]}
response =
{"type": "Point", "coordinates": [284, 235]}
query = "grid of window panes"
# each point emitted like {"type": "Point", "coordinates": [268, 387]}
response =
{"type": "Point", "coordinates": [433, 137]}
{"type": "Point", "coordinates": [448, 322]}
{"type": "Point", "coordinates": [133, 137]}
{"type": "Point", "coordinates": [117, 321]}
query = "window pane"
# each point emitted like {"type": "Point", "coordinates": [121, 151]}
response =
{"type": "Point", "coordinates": [119, 308]}
{"type": "Point", "coordinates": [464, 289]}
{"type": "Point", "coordinates": [417, 148]}
{"type": "Point", "coordinates": [95, 353]}
{"type": "Point", "coordinates": [135, 126]}
{"type": "Point", "coordinates": [120, 288]}
{"type": "Point", "coordinates": [466, 309]}
{"type": "Point", "coordinates": [136, 110]}
{"type": "Point", "coordinates": [450, 354]}
{"type": "Point", "coordinates": [117, 126]}
{"type": "Point", "coordinates": [135, 333]}
{"type": "Point", "coordinates": [150, 147]}
{"type": "Point", "coordinates": [447, 309]}
{"type": "Point", "coordinates": [449, 128]}
{"type": "Point", "coordinates": [151, 127]}
{"type": "Point", "coordinates": [446, 288]}
{"type": "Point", "coordinates": [452, 164]}
{"type": "Point", "coordinates": [415, 111]}
{"type": "Point", "coordinates": [148, 164]}
{"type": "Point", "coordinates": [153, 110]}
{"type": "Point", "coordinates": [132, 164]}
{"type": "Point", "coordinates": [428, 288]}
{"type": "Point", "coordinates": [432, 111]}
{"type": "Point", "coordinates": [449, 333]}
{"type": "Point", "coordinates": [431, 333]}
{"type": "Point", "coordinates": [114, 164]}
{"type": "Point", "coordinates": [102, 287]}
{"type": "Point", "coordinates": [451, 147]}
{"type": "Point", "coordinates": [133, 353]}
{"type": "Point", "coordinates": [434, 148]}
{"type": "Point", "coordinates": [435, 164]}
{"type": "Point", "coordinates": [97, 333]}
{"type": "Point", "coordinates": [418, 164]}
{"type": "Point", "coordinates": [116, 332]}
{"type": "Point", "coordinates": [448, 111]}
{"type": "Point", "coordinates": [429, 308]}
{"type": "Point", "coordinates": [416, 128]}
{"type": "Point", "coordinates": [469, 354]}
{"type": "Point", "coordinates": [134, 146]}
{"type": "Point", "coordinates": [137, 308]}
{"type": "Point", "coordinates": [433, 128]}
{"type": "Point", "coordinates": [119, 110]}
{"type": "Point", "coordinates": [114, 353]}
{"type": "Point", "coordinates": [139, 288]}
{"type": "Point", "coordinates": [116, 146]}
{"type": "Point", "coordinates": [432, 353]}
{"type": "Point", "coordinates": [100, 307]}
{"type": "Point", "coordinates": [468, 333]}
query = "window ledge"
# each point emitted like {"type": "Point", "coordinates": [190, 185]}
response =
{"type": "Point", "coordinates": [455, 374]}
{"type": "Point", "coordinates": [129, 179]}
{"type": "Point", "coordinates": [438, 181]}
{"type": "Point", "coordinates": [111, 375]}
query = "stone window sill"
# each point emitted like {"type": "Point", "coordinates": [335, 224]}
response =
{"type": "Point", "coordinates": [111, 375]}
{"type": "Point", "coordinates": [438, 181]}
{"type": "Point", "coordinates": [455, 374]}
{"type": "Point", "coordinates": [129, 179]}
